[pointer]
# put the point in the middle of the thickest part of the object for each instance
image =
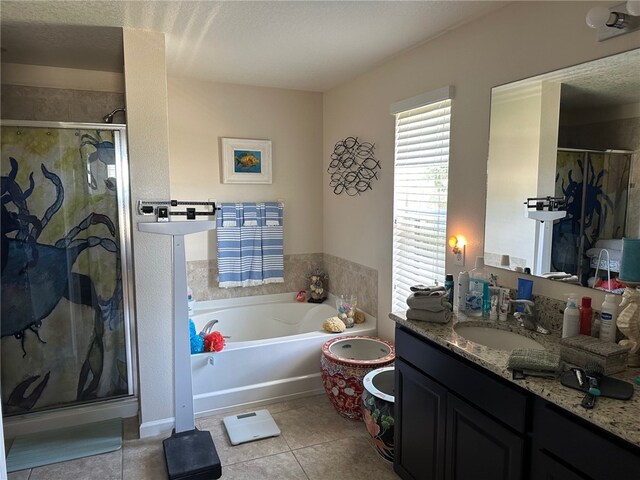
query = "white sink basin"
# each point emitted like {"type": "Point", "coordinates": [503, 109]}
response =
{"type": "Point", "coordinates": [497, 339]}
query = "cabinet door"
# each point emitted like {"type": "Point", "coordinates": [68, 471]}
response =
{"type": "Point", "coordinates": [420, 411]}
{"type": "Point", "coordinates": [546, 467]}
{"type": "Point", "coordinates": [478, 447]}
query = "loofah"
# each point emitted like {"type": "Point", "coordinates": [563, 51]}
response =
{"type": "Point", "coordinates": [197, 344]}
{"type": "Point", "coordinates": [334, 325]}
{"type": "Point", "coordinates": [192, 328]}
{"type": "Point", "coordinates": [213, 342]}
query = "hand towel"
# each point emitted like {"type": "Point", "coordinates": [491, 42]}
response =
{"type": "Point", "coordinates": [534, 360]}
{"type": "Point", "coordinates": [434, 302]}
{"type": "Point", "coordinates": [426, 288]}
{"type": "Point", "coordinates": [441, 316]}
{"type": "Point", "coordinates": [249, 251]}
{"type": "Point", "coordinates": [272, 243]}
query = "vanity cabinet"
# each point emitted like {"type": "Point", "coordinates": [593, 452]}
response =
{"type": "Point", "coordinates": [478, 446]}
{"type": "Point", "coordinates": [422, 411]}
{"type": "Point", "coordinates": [440, 433]}
{"type": "Point", "coordinates": [456, 420]}
{"type": "Point", "coordinates": [566, 443]}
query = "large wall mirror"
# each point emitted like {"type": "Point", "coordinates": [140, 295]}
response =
{"type": "Point", "coordinates": [572, 134]}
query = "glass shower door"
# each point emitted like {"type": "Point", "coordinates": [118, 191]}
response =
{"type": "Point", "coordinates": [65, 248]}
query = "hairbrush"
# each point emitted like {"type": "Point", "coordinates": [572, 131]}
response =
{"type": "Point", "coordinates": [593, 372]}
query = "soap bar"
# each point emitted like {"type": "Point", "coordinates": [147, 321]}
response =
{"type": "Point", "coordinates": [582, 349]}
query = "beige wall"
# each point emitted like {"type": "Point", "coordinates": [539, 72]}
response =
{"type": "Point", "coordinates": [201, 113]}
{"type": "Point", "coordinates": [521, 40]}
{"type": "Point", "coordinates": [58, 77]}
{"type": "Point", "coordinates": [513, 162]}
{"type": "Point", "coordinates": [146, 94]}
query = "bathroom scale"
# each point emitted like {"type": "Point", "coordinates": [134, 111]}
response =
{"type": "Point", "coordinates": [247, 427]}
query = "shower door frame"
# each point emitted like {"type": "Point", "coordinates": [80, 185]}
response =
{"type": "Point", "coordinates": [126, 257]}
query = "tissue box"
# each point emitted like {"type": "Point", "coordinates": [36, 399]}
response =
{"type": "Point", "coordinates": [582, 349]}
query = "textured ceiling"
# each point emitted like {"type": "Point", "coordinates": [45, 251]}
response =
{"type": "Point", "coordinates": [606, 82]}
{"type": "Point", "coordinates": [306, 45]}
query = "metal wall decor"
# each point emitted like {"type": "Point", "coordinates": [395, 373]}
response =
{"type": "Point", "coordinates": [352, 167]}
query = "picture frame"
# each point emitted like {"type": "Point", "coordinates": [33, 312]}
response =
{"type": "Point", "coordinates": [246, 161]}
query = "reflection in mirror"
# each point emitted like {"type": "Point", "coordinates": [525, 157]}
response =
{"type": "Point", "coordinates": [574, 134]}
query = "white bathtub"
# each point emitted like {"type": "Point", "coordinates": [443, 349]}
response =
{"type": "Point", "coordinates": [273, 352]}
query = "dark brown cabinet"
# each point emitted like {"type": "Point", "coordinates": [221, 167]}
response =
{"type": "Point", "coordinates": [441, 436]}
{"type": "Point", "coordinates": [458, 421]}
{"type": "Point", "coordinates": [478, 446]}
{"type": "Point", "coordinates": [545, 467]}
{"type": "Point", "coordinates": [420, 444]}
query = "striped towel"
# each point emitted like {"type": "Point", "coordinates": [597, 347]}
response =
{"type": "Point", "coordinates": [272, 244]}
{"type": "Point", "coordinates": [250, 244]}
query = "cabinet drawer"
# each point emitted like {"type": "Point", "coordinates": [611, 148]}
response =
{"type": "Point", "coordinates": [471, 383]}
{"type": "Point", "coordinates": [591, 450]}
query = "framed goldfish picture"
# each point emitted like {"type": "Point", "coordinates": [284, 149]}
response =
{"type": "Point", "coordinates": [246, 161]}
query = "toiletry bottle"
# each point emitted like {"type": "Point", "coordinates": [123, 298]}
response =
{"type": "Point", "coordinates": [479, 280]}
{"type": "Point", "coordinates": [448, 284]}
{"type": "Point", "coordinates": [571, 319]}
{"type": "Point", "coordinates": [586, 315]}
{"type": "Point", "coordinates": [190, 301]}
{"type": "Point", "coordinates": [608, 317]}
{"type": "Point", "coordinates": [463, 288]}
{"type": "Point", "coordinates": [505, 304]}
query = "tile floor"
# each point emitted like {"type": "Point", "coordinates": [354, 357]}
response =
{"type": "Point", "coordinates": [316, 444]}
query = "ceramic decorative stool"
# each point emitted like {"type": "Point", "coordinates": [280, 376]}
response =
{"type": "Point", "coordinates": [378, 399]}
{"type": "Point", "coordinates": [345, 361]}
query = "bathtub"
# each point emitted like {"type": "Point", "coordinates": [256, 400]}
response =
{"type": "Point", "coordinates": [272, 353]}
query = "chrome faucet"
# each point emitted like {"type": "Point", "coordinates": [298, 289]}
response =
{"type": "Point", "coordinates": [529, 318]}
{"type": "Point", "coordinates": [208, 328]}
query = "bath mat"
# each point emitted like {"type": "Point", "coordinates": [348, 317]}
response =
{"type": "Point", "coordinates": [44, 448]}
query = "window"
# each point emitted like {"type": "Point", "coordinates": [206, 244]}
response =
{"type": "Point", "coordinates": [421, 171]}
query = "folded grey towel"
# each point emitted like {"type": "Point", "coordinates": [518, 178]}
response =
{"type": "Point", "coordinates": [434, 302]}
{"type": "Point", "coordinates": [442, 316]}
{"type": "Point", "coordinates": [427, 289]}
{"type": "Point", "coordinates": [430, 293]}
{"type": "Point", "coordinates": [534, 360]}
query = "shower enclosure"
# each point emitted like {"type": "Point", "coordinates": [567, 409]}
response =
{"type": "Point", "coordinates": [595, 185]}
{"type": "Point", "coordinates": [65, 266]}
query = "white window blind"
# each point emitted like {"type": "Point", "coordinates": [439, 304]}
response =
{"type": "Point", "coordinates": [420, 198]}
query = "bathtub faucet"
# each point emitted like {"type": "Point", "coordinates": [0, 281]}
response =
{"type": "Point", "coordinates": [208, 328]}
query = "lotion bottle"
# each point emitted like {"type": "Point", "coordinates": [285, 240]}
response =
{"type": "Point", "coordinates": [463, 288]}
{"type": "Point", "coordinates": [571, 319]}
{"type": "Point", "coordinates": [608, 317]}
{"type": "Point", "coordinates": [586, 316]}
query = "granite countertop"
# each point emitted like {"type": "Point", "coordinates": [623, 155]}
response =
{"type": "Point", "coordinates": [621, 418]}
